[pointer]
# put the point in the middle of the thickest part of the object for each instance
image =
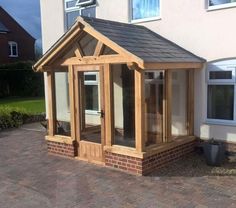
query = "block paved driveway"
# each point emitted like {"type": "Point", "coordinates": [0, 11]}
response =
{"type": "Point", "coordinates": [29, 177]}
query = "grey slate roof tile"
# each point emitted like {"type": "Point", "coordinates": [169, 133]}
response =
{"type": "Point", "coordinates": [142, 42]}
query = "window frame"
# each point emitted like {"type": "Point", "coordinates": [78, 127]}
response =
{"type": "Point", "coordinates": [148, 19]}
{"type": "Point", "coordinates": [11, 45]}
{"type": "Point", "coordinates": [96, 83]}
{"type": "Point", "coordinates": [221, 82]}
{"type": "Point", "coordinates": [73, 9]}
{"type": "Point", "coordinates": [220, 6]}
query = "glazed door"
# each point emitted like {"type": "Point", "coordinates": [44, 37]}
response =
{"type": "Point", "coordinates": [91, 113]}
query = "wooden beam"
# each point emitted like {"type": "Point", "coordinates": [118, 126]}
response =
{"type": "Point", "coordinates": [103, 59]}
{"type": "Point", "coordinates": [72, 102]}
{"type": "Point", "coordinates": [114, 46]}
{"type": "Point", "coordinates": [102, 104]}
{"type": "Point", "coordinates": [167, 107]}
{"type": "Point", "coordinates": [109, 106]}
{"type": "Point", "coordinates": [77, 109]}
{"type": "Point", "coordinates": [82, 100]}
{"type": "Point", "coordinates": [99, 49]}
{"type": "Point", "coordinates": [190, 102]}
{"type": "Point", "coordinates": [58, 48]}
{"type": "Point", "coordinates": [166, 65]}
{"type": "Point", "coordinates": [78, 51]}
{"type": "Point", "coordinates": [51, 103]}
{"type": "Point", "coordinates": [139, 110]}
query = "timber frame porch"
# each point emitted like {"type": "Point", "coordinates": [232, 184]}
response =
{"type": "Point", "coordinates": [123, 44]}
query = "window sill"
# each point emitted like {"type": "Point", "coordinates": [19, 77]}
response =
{"type": "Point", "coordinates": [145, 20]}
{"type": "Point", "coordinates": [12, 56]}
{"type": "Point", "coordinates": [223, 6]}
{"type": "Point", "coordinates": [220, 122]}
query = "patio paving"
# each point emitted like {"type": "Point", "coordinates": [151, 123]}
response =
{"type": "Point", "coordinates": [29, 177]}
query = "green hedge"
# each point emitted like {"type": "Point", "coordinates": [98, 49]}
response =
{"type": "Point", "coordinates": [13, 117]}
{"type": "Point", "coordinates": [19, 79]}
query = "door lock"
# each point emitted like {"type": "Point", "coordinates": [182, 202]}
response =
{"type": "Point", "coordinates": [101, 113]}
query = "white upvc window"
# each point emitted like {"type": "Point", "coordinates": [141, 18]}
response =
{"type": "Point", "coordinates": [144, 10]}
{"type": "Point", "coordinates": [75, 8]}
{"type": "Point", "coordinates": [91, 92]}
{"type": "Point", "coordinates": [220, 4]}
{"type": "Point", "coordinates": [221, 99]}
{"type": "Point", "coordinates": [13, 49]}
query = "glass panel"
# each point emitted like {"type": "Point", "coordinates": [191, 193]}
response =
{"type": "Point", "coordinates": [154, 82]}
{"type": "Point", "coordinates": [89, 12]}
{"type": "Point", "coordinates": [14, 50]}
{"type": "Point", "coordinates": [179, 103]}
{"type": "Point", "coordinates": [70, 4]}
{"type": "Point", "coordinates": [220, 103]}
{"type": "Point", "coordinates": [90, 105]}
{"type": "Point", "coordinates": [124, 109]}
{"type": "Point", "coordinates": [91, 97]}
{"type": "Point", "coordinates": [108, 51]}
{"type": "Point", "coordinates": [71, 17]}
{"type": "Point", "coordinates": [218, 2]}
{"type": "Point", "coordinates": [220, 75]}
{"type": "Point", "coordinates": [62, 103]}
{"type": "Point", "coordinates": [90, 77]}
{"type": "Point", "coordinates": [145, 9]}
{"type": "Point", "coordinates": [88, 44]}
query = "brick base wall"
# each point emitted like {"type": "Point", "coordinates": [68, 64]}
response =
{"type": "Point", "coordinates": [147, 165]}
{"type": "Point", "coordinates": [61, 148]}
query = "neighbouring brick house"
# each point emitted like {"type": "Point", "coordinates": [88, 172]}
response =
{"type": "Point", "coordinates": [16, 44]}
{"type": "Point", "coordinates": [120, 91]}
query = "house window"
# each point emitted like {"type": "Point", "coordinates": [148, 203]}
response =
{"type": "Point", "coordinates": [13, 49]}
{"type": "Point", "coordinates": [75, 8]}
{"type": "Point", "coordinates": [221, 93]}
{"type": "Point", "coordinates": [217, 4]}
{"type": "Point", "coordinates": [145, 9]}
{"type": "Point", "coordinates": [91, 91]}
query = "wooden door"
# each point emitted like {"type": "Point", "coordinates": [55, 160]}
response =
{"type": "Point", "coordinates": [90, 113]}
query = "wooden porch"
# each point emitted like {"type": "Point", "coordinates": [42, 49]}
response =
{"type": "Point", "coordinates": [90, 53]}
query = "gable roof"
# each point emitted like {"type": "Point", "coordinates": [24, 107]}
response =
{"type": "Point", "coordinates": [138, 42]}
{"type": "Point", "coordinates": [11, 24]}
{"type": "Point", "coordinates": [3, 28]}
{"type": "Point", "coordinates": [142, 42]}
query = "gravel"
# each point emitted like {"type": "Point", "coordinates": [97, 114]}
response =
{"type": "Point", "coordinates": [194, 165]}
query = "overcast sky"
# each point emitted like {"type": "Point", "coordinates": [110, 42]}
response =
{"type": "Point", "coordinates": [25, 12]}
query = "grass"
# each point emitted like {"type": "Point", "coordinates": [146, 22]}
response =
{"type": "Point", "coordinates": [30, 105]}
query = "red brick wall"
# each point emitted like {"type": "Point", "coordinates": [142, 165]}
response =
{"type": "Point", "coordinates": [123, 162]}
{"type": "Point", "coordinates": [61, 148]}
{"type": "Point", "coordinates": [24, 40]}
{"type": "Point", "coordinates": [147, 165]}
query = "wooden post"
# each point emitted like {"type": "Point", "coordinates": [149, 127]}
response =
{"type": "Point", "coordinates": [72, 101]}
{"type": "Point", "coordinates": [102, 106]}
{"type": "Point", "coordinates": [139, 110]}
{"type": "Point", "coordinates": [167, 107]}
{"type": "Point", "coordinates": [109, 109]}
{"type": "Point", "coordinates": [51, 103]}
{"type": "Point", "coordinates": [190, 102]}
{"type": "Point", "coordinates": [77, 109]}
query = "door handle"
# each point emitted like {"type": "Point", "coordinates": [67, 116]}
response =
{"type": "Point", "coordinates": [101, 113]}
